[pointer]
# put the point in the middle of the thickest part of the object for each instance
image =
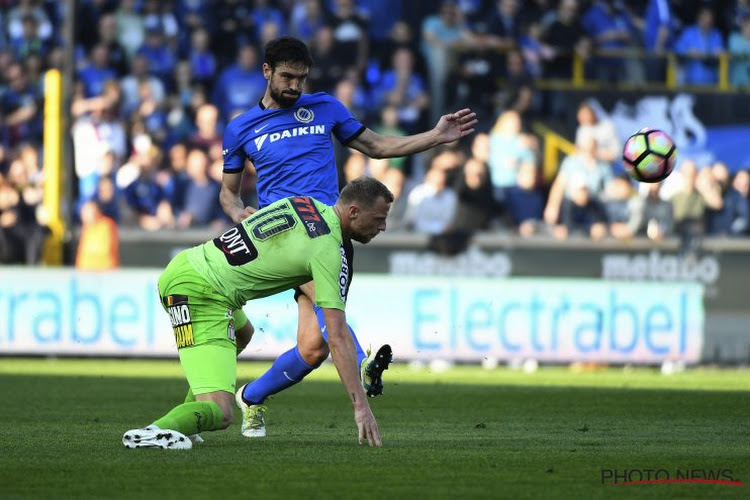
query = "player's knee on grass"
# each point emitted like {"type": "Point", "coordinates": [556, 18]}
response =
{"type": "Point", "coordinates": [225, 401]}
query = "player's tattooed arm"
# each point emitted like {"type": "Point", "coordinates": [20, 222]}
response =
{"type": "Point", "coordinates": [345, 359]}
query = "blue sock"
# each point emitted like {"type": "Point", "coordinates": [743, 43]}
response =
{"type": "Point", "coordinates": [287, 370]}
{"type": "Point", "coordinates": [322, 322]}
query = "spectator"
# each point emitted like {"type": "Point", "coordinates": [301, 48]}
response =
{"type": "Point", "coordinates": [732, 218]}
{"type": "Point", "coordinates": [196, 14]}
{"type": "Point", "coordinates": [442, 34]}
{"type": "Point", "coordinates": [262, 14]}
{"type": "Point", "coordinates": [358, 165]}
{"type": "Point", "coordinates": [117, 56]}
{"type": "Point", "coordinates": [108, 198]}
{"type": "Point", "coordinates": [19, 107]}
{"type": "Point", "coordinates": [382, 16]}
{"type": "Point", "coordinates": [403, 89]}
{"type": "Point", "coordinates": [6, 59]}
{"type": "Point", "coordinates": [201, 197]}
{"type": "Point", "coordinates": [158, 17]}
{"type": "Point", "coordinates": [183, 103]}
{"type": "Point", "coordinates": [328, 69]}
{"type": "Point", "coordinates": [476, 204]}
{"type": "Point", "coordinates": [307, 18]}
{"type": "Point", "coordinates": [699, 46]}
{"type": "Point", "coordinates": [579, 169]}
{"type": "Point", "coordinates": [350, 34]}
{"type": "Point", "coordinates": [739, 50]}
{"type": "Point", "coordinates": [658, 34]}
{"type": "Point", "coordinates": [131, 83]}
{"type": "Point", "coordinates": [566, 37]}
{"type": "Point", "coordinates": [480, 147]}
{"type": "Point", "coordinates": [608, 144]}
{"type": "Point", "coordinates": [400, 36]}
{"type": "Point", "coordinates": [624, 208]}
{"type": "Point", "coordinates": [611, 30]}
{"type": "Point", "coordinates": [353, 94]}
{"type": "Point", "coordinates": [581, 213]}
{"type": "Point", "coordinates": [525, 201]}
{"type": "Point", "coordinates": [474, 82]}
{"type": "Point", "coordinates": [148, 207]}
{"type": "Point", "coordinates": [176, 184]}
{"type": "Point", "coordinates": [161, 57]}
{"type": "Point", "coordinates": [29, 43]}
{"type": "Point", "coordinates": [235, 29]}
{"type": "Point", "coordinates": [87, 16]}
{"type": "Point", "coordinates": [130, 27]}
{"type": "Point", "coordinates": [398, 167]}
{"type": "Point", "coordinates": [431, 206]}
{"type": "Point", "coordinates": [501, 29]}
{"type": "Point", "coordinates": [207, 124]}
{"type": "Point", "coordinates": [33, 66]}
{"type": "Point", "coordinates": [95, 132]}
{"type": "Point", "coordinates": [509, 149]}
{"type": "Point", "coordinates": [535, 51]}
{"type": "Point", "coordinates": [9, 199]}
{"type": "Point", "coordinates": [22, 216]}
{"type": "Point", "coordinates": [99, 243]}
{"type": "Point", "coordinates": [736, 14]}
{"type": "Point", "coordinates": [657, 220]}
{"type": "Point", "coordinates": [97, 72]}
{"type": "Point", "coordinates": [518, 92]}
{"type": "Point", "coordinates": [240, 86]}
{"type": "Point", "coordinates": [741, 183]}
{"type": "Point", "coordinates": [699, 192]}
{"type": "Point", "coordinates": [202, 60]}
{"type": "Point", "coordinates": [25, 8]}
{"type": "Point", "coordinates": [151, 113]}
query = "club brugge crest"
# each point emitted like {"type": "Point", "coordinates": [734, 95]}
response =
{"type": "Point", "coordinates": [304, 115]}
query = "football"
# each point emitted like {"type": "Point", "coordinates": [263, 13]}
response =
{"type": "Point", "coordinates": [649, 155]}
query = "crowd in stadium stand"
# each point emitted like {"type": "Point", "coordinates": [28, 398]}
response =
{"type": "Point", "coordinates": [157, 80]}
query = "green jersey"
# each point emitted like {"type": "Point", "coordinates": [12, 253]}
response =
{"type": "Point", "coordinates": [281, 246]}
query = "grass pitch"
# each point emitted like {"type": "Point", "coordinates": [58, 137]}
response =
{"type": "Point", "coordinates": [463, 433]}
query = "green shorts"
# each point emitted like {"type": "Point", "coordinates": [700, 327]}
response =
{"type": "Point", "coordinates": [204, 326]}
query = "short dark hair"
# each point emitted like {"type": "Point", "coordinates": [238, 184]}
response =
{"type": "Point", "coordinates": [289, 50]}
{"type": "Point", "coordinates": [366, 191]}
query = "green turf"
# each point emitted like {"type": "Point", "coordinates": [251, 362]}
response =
{"type": "Point", "coordinates": [462, 433]}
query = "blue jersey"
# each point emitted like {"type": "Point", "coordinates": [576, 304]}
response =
{"type": "Point", "coordinates": [291, 148]}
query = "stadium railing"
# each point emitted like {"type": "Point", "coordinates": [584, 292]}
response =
{"type": "Point", "coordinates": [671, 60]}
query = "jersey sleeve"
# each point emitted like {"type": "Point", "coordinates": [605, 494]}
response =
{"type": "Point", "coordinates": [329, 269]}
{"type": "Point", "coordinates": [346, 128]}
{"type": "Point", "coordinates": [231, 149]}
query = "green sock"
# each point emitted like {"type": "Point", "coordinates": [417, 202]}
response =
{"type": "Point", "coordinates": [189, 397]}
{"type": "Point", "coordinates": [192, 418]}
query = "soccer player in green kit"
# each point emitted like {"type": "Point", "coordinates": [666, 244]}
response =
{"type": "Point", "coordinates": [286, 244]}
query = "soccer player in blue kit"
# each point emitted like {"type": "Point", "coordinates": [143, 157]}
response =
{"type": "Point", "coordinates": [288, 139]}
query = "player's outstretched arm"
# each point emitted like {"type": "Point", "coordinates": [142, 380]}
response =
{"type": "Point", "coordinates": [345, 358]}
{"type": "Point", "coordinates": [449, 128]}
{"type": "Point", "coordinates": [229, 197]}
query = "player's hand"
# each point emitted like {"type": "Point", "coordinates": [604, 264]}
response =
{"type": "Point", "coordinates": [244, 214]}
{"type": "Point", "coordinates": [368, 427]}
{"type": "Point", "coordinates": [454, 126]}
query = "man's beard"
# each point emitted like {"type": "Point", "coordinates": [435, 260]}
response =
{"type": "Point", "coordinates": [284, 100]}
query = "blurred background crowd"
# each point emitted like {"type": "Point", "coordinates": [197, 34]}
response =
{"type": "Point", "coordinates": [156, 82]}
